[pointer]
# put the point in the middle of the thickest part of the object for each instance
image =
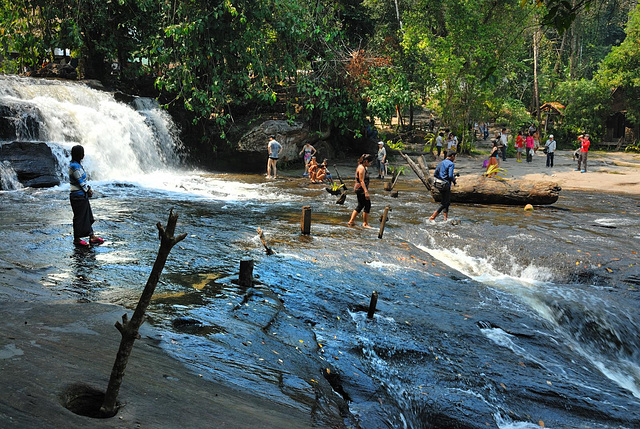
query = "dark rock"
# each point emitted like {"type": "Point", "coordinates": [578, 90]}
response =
{"type": "Point", "coordinates": [291, 136]}
{"type": "Point", "coordinates": [19, 121]}
{"type": "Point", "coordinates": [34, 163]}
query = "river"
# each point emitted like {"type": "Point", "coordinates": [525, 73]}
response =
{"type": "Point", "coordinates": [497, 318]}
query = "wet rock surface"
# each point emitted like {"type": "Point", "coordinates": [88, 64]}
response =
{"type": "Point", "coordinates": [34, 163]}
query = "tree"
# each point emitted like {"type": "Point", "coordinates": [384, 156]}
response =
{"type": "Point", "coordinates": [621, 67]}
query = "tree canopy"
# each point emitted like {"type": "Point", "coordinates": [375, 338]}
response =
{"type": "Point", "coordinates": [342, 64]}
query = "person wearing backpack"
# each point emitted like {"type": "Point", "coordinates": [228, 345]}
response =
{"type": "Point", "coordinates": [444, 178]}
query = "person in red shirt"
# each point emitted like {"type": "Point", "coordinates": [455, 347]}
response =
{"type": "Point", "coordinates": [584, 142]}
{"type": "Point", "coordinates": [519, 145]}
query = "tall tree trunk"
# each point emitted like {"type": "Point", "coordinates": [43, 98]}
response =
{"type": "Point", "coordinates": [556, 67]}
{"type": "Point", "coordinates": [574, 47]}
{"type": "Point", "coordinates": [398, 15]}
{"type": "Point", "coordinates": [536, 90]}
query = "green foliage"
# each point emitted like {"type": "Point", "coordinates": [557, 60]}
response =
{"type": "Point", "coordinates": [513, 115]}
{"type": "Point", "coordinates": [587, 103]}
{"type": "Point", "coordinates": [495, 171]}
{"type": "Point", "coordinates": [469, 60]}
{"type": "Point", "coordinates": [429, 142]}
{"type": "Point", "coordinates": [397, 171]}
{"type": "Point", "coordinates": [399, 145]}
{"type": "Point", "coordinates": [335, 186]}
{"type": "Point", "coordinates": [620, 70]}
{"type": "Point", "coordinates": [634, 147]}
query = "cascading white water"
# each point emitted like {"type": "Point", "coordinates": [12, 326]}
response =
{"type": "Point", "coordinates": [135, 143]}
{"type": "Point", "coordinates": [120, 142]}
{"type": "Point", "coordinates": [531, 285]}
{"type": "Point", "coordinates": [8, 177]}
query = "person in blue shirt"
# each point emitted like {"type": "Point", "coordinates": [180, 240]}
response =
{"type": "Point", "coordinates": [79, 194]}
{"type": "Point", "coordinates": [444, 178]}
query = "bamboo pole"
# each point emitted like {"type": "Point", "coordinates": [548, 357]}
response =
{"type": "Point", "coordinates": [372, 305]}
{"type": "Point", "coordinates": [417, 170]}
{"type": "Point", "coordinates": [305, 220]}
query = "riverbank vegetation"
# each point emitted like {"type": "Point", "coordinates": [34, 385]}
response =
{"type": "Point", "coordinates": [342, 66]}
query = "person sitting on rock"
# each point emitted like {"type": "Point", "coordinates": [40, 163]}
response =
{"type": "Point", "coordinates": [313, 169]}
{"type": "Point", "coordinates": [321, 172]}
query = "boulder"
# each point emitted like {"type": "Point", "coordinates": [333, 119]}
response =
{"type": "Point", "coordinates": [19, 121]}
{"type": "Point", "coordinates": [291, 136]}
{"type": "Point", "coordinates": [34, 163]}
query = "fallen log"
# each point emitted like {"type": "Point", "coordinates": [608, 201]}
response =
{"type": "Point", "coordinates": [479, 189]}
{"type": "Point", "coordinates": [490, 190]}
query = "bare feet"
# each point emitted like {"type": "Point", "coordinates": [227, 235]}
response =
{"type": "Point", "coordinates": [350, 223]}
{"type": "Point", "coordinates": [432, 218]}
{"type": "Point", "coordinates": [366, 225]}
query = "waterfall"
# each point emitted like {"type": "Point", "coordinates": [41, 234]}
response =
{"type": "Point", "coordinates": [8, 177]}
{"type": "Point", "coordinates": [121, 141]}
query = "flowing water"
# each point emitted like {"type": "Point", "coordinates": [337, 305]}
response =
{"type": "Point", "coordinates": [497, 318]}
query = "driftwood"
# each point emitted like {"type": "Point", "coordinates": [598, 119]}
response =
{"type": "Point", "coordinates": [479, 189]}
{"type": "Point", "coordinates": [267, 249]}
{"type": "Point", "coordinates": [490, 190]}
{"type": "Point", "coordinates": [388, 186]}
{"type": "Point", "coordinates": [129, 328]}
{"type": "Point", "coordinates": [418, 171]}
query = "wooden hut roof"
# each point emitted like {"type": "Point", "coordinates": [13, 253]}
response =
{"type": "Point", "coordinates": [553, 107]}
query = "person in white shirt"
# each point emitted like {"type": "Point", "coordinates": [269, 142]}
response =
{"type": "Point", "coordinates": [439, 142]}
{"type": "Point", "coordinates": [550, 147]}
{"type": "Point", "coordinates": [273, 148]}
{"type": "Point", "coordinates": [504, 142]}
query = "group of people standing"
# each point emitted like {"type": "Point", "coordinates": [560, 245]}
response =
{"type": "Point", "coordinates": [529, 145]}
{"type": "Point", "coordinates": [448, 146]}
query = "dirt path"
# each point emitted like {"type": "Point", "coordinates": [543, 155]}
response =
{"type": "Point", "coordinates": [606, 172]}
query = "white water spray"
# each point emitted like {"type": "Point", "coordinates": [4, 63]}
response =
{"type": "Point", "coordinates": [120, 142]}
{"type": "Point", "coordinates": [531, 284]}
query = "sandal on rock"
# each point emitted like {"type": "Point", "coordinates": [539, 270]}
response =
{"type": "Point", "coordinates": [96, 240]}
{"type": "Point", "coordinates": [81, 243]}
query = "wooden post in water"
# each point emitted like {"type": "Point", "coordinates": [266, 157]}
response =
{"type": "Point", "coordinates": [305, 220]}
{"type": "Point", "coordinates": [245, 277]}
{"type": "Point", "coordinates": [372, 304]}
{"type": "Point", "coordinates": [383, 221]}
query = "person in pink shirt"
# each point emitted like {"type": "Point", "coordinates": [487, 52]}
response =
{"type": "Point", "coordinates": [529, 144]}
{"type": "Point", "coordinates": [584, 150]}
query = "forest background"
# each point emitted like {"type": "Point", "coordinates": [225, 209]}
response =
{"type": "Point", "coordinates": [340, 65]}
